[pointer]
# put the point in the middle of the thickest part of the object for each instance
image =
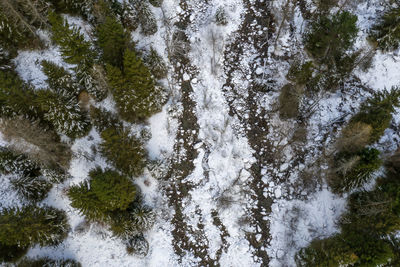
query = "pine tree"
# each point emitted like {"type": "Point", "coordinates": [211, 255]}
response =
{"type": "Point", "coordinates": [112, 40]}
{"type": "Point", "coordinates": [59, 80]}
{"type": "Point", "coordinates": [357, 174]}
{"type": "Point", "coordinates": [377, 112]}
{"type": "Point", "coordinates": [125, 152]}
{"type": "Point", "coordinates": [137, 245]}
{"type": "Point", "coordinates": [32, 225]}
{"type": "Point", "coordinates": [5, 62]}
{"type": "Point", "coordinates": [134, 91]}
{"type": "Point", "coordinates": [47, 262]}
{"type": "Point", "coordinates": [220, 16]}
{"type": "Point", "coordinates": [106, 191]}
{"type": "Point", "coordinates": [73, 46]}
{"type": "Point", "coordinates": [156, 64]}
{"type": "Point", "coordinates": [138, 12]}
{"type": "Point", "coordinates": [17, 98]}
{"type": "Point", "coordinates": [75, 7]}
{"type": "Point", "coordinates": [103, 119]}
{"type": "Point", "coordinates": [387, 31]}
{"type": "Point", "coordinates": [11, 253]}
{"type": "Point", "coordinates": [93, 80]}
{"type": "Point", "coordinates": [64, 114]}
{"type": "Point", "coordinates": [330, 37]}
{"type": "Point", "coordinates": [131, 222]}
{"type": "Point", "coordinates": [156, 3]}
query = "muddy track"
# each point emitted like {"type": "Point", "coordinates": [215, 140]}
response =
{"type": "Point", "coordinates": [186, 239]}
{"type": "Point", "coordinates": [254, 123]}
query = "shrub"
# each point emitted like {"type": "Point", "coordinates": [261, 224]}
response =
{"type": "Point", "coordinates": [366, 163]}
{"type": "Point", "coordinates": [387, 31]}
{"type": "Point", "coordinates": [106, 191]}
{"type": "Point", "coordinates": [123, 151]}
{"type": "Point", "coordinates": [377, 112]}
{"type": "Point", "coordinates": [64, 114]}
{"type": "Point", "coordinates": [330, 37]}
{"type": "Point", "coordinates": [300, 73]}
{"type": "Point", "coordinates": [47, 262]}
{"type": "Point", "coordinates": [355, 136]}
{"type": "Point", "coordinates": [134, 91]}
{"type": "Point", "coordinates": [112, 40]}
{"type": "Point", "coordinates": [32, 225]}
{"type": "Point", "coordinates": [289, 100]}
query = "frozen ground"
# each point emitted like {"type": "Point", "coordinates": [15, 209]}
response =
{"type": "Point", "coordinates": [240, 194]}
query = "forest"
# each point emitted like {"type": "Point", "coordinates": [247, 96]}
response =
{"type": "Point", "coordinates": [199, 133]}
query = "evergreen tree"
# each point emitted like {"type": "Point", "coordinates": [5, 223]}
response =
{"type": "Point", "coordinates": [125, 152]}
{"type": "Point", "coordinates": [47, 262]}
{"type": "Point", "coordinates": [377, 112]}
{"type": "Point", "coordinates": [156, 64]}
{"type": "Point", "coordinates": [73, 46]}
{"type": "Point", "coordinates": [32, 225]}
{"type": "Point", "coordinates": [106, 191]}
{"type": "Point", "coordinates": [131, 222]}
{"type": "Point", "coordinates": [93, 80]}
{"type": "Point", "coordinates": [134, 91]}
{"type": "Point", "coordinates": [59, 80]}
{"type": "Point", "coordinates": [16, 97]}
{"type": "Point", "coordinates": [156, 3]}
{"type": "Point", "coordinates": [112, 40]}
{"type": "Point", "coordinates": [137, 245]}
{"type": "Point", "coordinates": [387, 31]}
{"type": "Point", "coordinates": [220, 16]}
{"type": "Point", "coordinates": [138, 12]}
{"type": "Point", "coordinates": [11, 253]}
{"type": "Point", "coordinates": [103, 119]}
{"type": "Point", "coordinates": [366, 163]}
{"type": "Point", "coordinates": [75, 7]}
{"type": "Point", "coordinates": [330, 37]}
{"type": "Point", "coordinates": [5, 62]}
{"type": "Point", "coordinates": [64, 114]}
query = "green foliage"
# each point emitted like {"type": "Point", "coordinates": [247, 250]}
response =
{"type": "Point", "coordinates": [19, 22]}
{"type": "Point", "coordinates": [106, 191]}
{"type": "Point", "coordinates": [300, 73]}
{"type": "Point", "coordinates": [377, 111]}
{"type": "Point", "coordinates": [93, 80]}
{"type": "Point", "coordinates": [125, 152]}
{"type": "Point", "coordinates": [16, 97]}
{"type": "Point", "coordinates": [138, 12]}
{"type": "Point", "coordinates": [74, 7]}
{"type": "Point", "coordinates": [156, 64]}
{"type": "Point", "coordinates": [132, 222]}
{"type": "Point", "coordinates": [112, 40]}
{"type": "Point", "coordinates": [59, 80]}
{"type": "Point", "coordinates": [330, 37]}
{"type": "Point", "coordinates": [73, 46]}
{"type": "Point", "coordinates": [31, 188]}
{"type": "Point", "coordinates": [133, 89]}
{"type": "Point", "coordinates": [11, 253]}
{"type": "Point", "coordinates": [47, 262]}
{"type": "Point", "coordinates": [103, 119]}
{"type": "Point", "coordinates": [364, 164]}
{"type": "Point", "coordinates": [331, 252]}
{"type": "Point", "coordinates": [387, 31]}
{"type": "Point", "coordinates": [64, 114]}
{"type": "Point", "coordinates": [156, 3]}
{"type": "Point", "coordinates": [32, 225]}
